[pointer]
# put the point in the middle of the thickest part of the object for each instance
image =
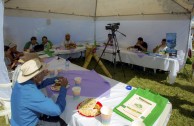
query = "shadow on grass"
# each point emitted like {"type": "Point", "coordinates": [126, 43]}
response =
{"type": "Point", "coordinates": [176, 104]}
{"type": "Point", "coordinates": [186, 76]}
{"type": "Point", "coordinates": [183, 87]}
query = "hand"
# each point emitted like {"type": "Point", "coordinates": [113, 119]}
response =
{"type": "Point", "coordinates": [63, 81]}
{"type": "Point", "coordinates": [46, 72]}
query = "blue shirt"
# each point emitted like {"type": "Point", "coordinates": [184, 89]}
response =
{"type": "Point", "coordinates": [28, 103]}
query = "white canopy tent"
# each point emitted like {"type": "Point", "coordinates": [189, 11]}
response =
{"type": "Point", "coordinates": [85, 20]}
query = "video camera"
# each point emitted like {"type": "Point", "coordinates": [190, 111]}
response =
{"type": "Point", "coordinates": [113, 26]}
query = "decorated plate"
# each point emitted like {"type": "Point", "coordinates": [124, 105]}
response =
{"type": "Point", "coordinates": [89, 112]}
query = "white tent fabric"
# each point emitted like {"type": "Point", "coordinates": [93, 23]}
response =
{"type": "Point", "coordinates": [3, 71]}
{"type": "Point", "coordinates": [103, 7]}
{"type": "Point", "coordinates": [85, 20]}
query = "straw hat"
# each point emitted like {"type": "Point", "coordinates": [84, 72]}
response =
{"type": "Point", "coordinates": [11, 45]}
{"type": "Point", "coordinates": [30, 69]}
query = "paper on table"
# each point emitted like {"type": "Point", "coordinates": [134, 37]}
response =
{"type": "Point", "coordinates": [44, 56]}
{"type": "Point", "coordinates": [137, 108]}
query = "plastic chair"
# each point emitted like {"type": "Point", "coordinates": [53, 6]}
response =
{"type": "Point", "coordinates": [5, 95]}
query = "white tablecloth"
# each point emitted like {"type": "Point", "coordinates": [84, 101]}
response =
{"type": "Point", "coordinates": [74, 53]}
{"type": "Point", "coordinates": [70, 51]}
{"type": "Point", "coordinates": [144, 60]}
{"type": "Point", "coordinates": [117, 94]}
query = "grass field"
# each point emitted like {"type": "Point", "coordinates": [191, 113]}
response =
{"type": "Point", "coordinates": [180, 94]}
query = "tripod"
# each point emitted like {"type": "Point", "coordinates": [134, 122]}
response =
{"type": "Point", "coordinates": [116, 51]}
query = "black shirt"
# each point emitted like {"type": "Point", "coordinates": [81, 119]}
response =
{"type": "Point", "coordinates": [144, 44]}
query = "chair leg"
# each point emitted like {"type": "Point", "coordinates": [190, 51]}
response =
{"type": "Point", "coordinates": [6, 119]}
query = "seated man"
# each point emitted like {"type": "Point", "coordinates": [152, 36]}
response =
{"type": "Point", "coordinates": [67, 40]}
{"type": "Point", "coordinates": [160, 48]}
{"type": "Point", "coordinates": [47, 44]}
{"type": "Point", "coordinates": [110, 40]}
{"type": "Point", "coordinates": [29, 46]}
{"type": "Point", "coordinates": [140, 45]}
{"type": "Point", "coordinates": [14, 53]}
{"type": "Point", "coordinates": [28, 103]}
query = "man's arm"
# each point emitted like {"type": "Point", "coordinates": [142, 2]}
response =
{"type": "Point", "coordinates": [144, 46]}
{"type": "Point", "coordinates": [47, 82]}
{"type": "Point", "coordinates": [130, 47]}
{"type": "Point", "coordinates": [155, 49]}
{"type": "Point", "coordinates": [41, 104]}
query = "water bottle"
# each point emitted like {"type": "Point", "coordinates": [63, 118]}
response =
{"type": "Point", "coordinates": [67, 65]}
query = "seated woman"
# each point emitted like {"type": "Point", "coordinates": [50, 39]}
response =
{"type": "Point", "coordinates": [140, 45]}
{"type": "Point", "coordinates": [9, 61]}
{"type": "Point", "coordinates": [29, 46]}
{"type": "Point", "coordinates": [14, 52]}
{"type": "Point", "coordinates": [47, 43]}
{"type": "Point", "coordinates": [160, 48]}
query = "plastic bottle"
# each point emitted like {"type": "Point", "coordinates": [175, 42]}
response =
{"type": "Point", "coordinates": [67, 65]}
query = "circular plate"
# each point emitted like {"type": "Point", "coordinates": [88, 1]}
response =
{"type": "Point", "coordinates": [98, 103]}
{"type": "Point", "coordinates": [55, 88]}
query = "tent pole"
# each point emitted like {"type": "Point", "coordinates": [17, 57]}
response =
{"type": "Point", "coordinates": [7, 1]}
{"type": "Point", "coordinates": [95, 21]}
{"type": "Point", "coordinates": [180, 5]}
{"type": "Point", "coordinates": [48, 12]}
{"type": "Point", "coordinates": [188, 40]}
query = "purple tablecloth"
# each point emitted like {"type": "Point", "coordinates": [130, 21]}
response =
{"type": "Point", "coordinates": [47, 60]}
{"type": "Point", "coordinates": [92, 85]}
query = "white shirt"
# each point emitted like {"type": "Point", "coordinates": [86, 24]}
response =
{"type": "Point", "coordinates": [66, 42]}
{"type": "Point", "coordinates": [162, 49]}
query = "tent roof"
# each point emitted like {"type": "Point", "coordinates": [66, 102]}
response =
{"type": "Point", "coordinates": [103, 8]}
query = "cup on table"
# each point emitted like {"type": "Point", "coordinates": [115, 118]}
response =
{"type": "Point", "coordinates": [77, 80]}
{"type": "Point", "coordinates": [59, 71]}
{"type": "Point", "coordinates": [76, 92]}
{"type": "Point", "coordinates": [52, 73]}
{"type": "Point", "coordinates": [106, 113]}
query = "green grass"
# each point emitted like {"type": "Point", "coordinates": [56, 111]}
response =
{"type": "Point", "coordinates": [180, 94]}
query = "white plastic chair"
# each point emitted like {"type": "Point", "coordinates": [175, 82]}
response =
{"type": "Point", "coordinates": [5, 95]}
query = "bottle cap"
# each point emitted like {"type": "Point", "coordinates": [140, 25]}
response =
{"type": "Point", "coordinates": [128, 87]}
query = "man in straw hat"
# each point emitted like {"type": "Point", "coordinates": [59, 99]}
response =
{"type": "Point", "coordinates": [28, 103]}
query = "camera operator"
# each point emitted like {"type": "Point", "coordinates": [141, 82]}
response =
{"type": "Point", "coordinates": [109, 41]}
